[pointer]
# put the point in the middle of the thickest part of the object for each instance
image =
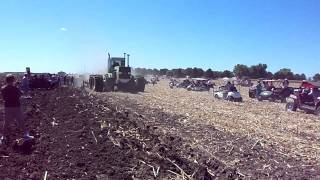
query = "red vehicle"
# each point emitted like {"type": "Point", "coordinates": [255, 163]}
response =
{"type": "Point", "coordinates": [306, 98]}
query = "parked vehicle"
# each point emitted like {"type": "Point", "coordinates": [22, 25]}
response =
{"type": "Point", "coordinates": [306, 98]}
{"type": "Point", "coordinates": [224, 93]}
{"type": "Point", "coordinates": [272, 91]}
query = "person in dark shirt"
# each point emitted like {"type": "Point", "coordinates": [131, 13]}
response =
{"type": "Point", "coordinates": [12, 107]}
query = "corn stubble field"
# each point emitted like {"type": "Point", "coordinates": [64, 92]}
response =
{"type": "Point", "coordinates": [162, 133]}
{"type": "Point", "coordinates": [256, 138]}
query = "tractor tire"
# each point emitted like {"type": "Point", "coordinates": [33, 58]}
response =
{"type": "Point", "coordinates": [260, 98]}
{"type": "Point", "coordinates": [291, 106]}
{"type": "Point", "coordinates": [131, 86]}
{"type": "Point", "coordinates": [317, 111]}
{"type": "Point", "coordinates": [240, 100]}
{"type": "Point", "coordinates": [109, 84]}
{"type": "Point", "coordinates": [283, 100]}
{"type": "Point", "coordinates": [140, 84]}
{"type": "Point", "coordinates": [115, 88]}
{"type": "Point", "coordinates": [91, 82]}
{"type": "Point", "coordinates": [98, 84]}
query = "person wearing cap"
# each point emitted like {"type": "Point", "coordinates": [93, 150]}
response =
{"type": "Point", "coordinates": [12, 107]}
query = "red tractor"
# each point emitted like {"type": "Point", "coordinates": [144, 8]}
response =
{"type": "Point", "coordinates": [306, 98]}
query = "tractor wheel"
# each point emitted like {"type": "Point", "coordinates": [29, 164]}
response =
{"type": "Point", "coordinates": [98, 84]}
{"type": "Point", "coordinates": [132, 87]}
{"type": "Point", "coordinates": [240, 99]}
{"type": "Point", "coordinates": [260, 98]}
{"type": "Point", "coordinates": [91, 82]}
{"type": "Point", "coordinates": [283, 100]}
{"type": "Point", "coordinates": [317, 111]}
{"type": "Point", "coordinates": [115, 88]}
{"type": "Point", "coordinates": [291, 106]}
{"type": "Point", "coordinates": [140, 84]}
{"type": "Point", "coordinates": [109, 85]}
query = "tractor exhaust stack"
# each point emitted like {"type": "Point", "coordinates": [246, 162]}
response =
{"type": "Point", "coordinates": [128, 55]}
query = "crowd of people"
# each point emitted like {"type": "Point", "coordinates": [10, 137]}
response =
{"type": "Point", "coordinates": [13, 91]}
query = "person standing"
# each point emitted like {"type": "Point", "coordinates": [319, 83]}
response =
{"type": "Point", "coordinates": [259, 89]}
{"type": "Point", "coordinates": [12, 107]}
{"type": "Point", "coordinates": [25, 83]}
{"type": "Point", "coordinates": [72, 81]}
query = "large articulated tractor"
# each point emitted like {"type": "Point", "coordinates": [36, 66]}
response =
{"type": "Point", "coordinates": [118, 78]}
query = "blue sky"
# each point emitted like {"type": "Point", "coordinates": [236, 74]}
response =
{"type": "Point", "coordinates": [73, 35]}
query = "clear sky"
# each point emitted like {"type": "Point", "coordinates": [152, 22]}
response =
{"type": "Point", "coordinates": [73, 35]}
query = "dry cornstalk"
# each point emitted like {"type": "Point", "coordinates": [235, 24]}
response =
{"type": "Point", "coordinates": [45, 175]}
{"type": "Point", "coordinates": [182, 171]}
{"type": "Point", "coordinates": [258, 141]}
{"type": "Point", "coordinates": [179, 175]}
{"type": "Point", "coordinates": [114, 141]}
{"type": "Point", "coordinates": [94, 136]}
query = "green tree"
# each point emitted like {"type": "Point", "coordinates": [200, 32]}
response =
{"type": "Point", "coordinates": [155, 72]}
{"type": "Point", "coordinates": [299, 77]}
{"type": "Point", "coordinates": [169, 73]}
{"type": "Point", "coordinates": [178, 73]}
{"type": "Point", "coordinates": [269, 75]}
{"type": "Point", "coordinates": [163, 71]}
{"type": "Point", "coordinates": [284, 73]}
{"type": "Point", "coordinates": [217, 74]}
{"type": "Point", "coordinates": [316, 77]}
{"type": "Point", "coordinates": [208, 74]}
{"type": "Point", "coordinates": [188, 71]}
{"type": "Point", "coordinates": [258, 71]}
{"type": "Point", "coordinates": [241, 70]}
{"type": "Point", "coordinates": [227, 73]}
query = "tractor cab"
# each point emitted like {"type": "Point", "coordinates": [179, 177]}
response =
{"type": "Point", "coordinates": [122, 72]}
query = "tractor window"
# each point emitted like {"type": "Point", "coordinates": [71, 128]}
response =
{"type": "Point", "coordinates": [125, 69]}
{"type": "Point", "coordinates": [125, 72]}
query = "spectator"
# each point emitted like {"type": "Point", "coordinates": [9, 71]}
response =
{"type": "Point", "coordinates": [25, 83]}
{"type": "Point", "coordinates": [11, 96]}
{"type": "Point", "coordinates": [270, 87]}
{"type": "Point", "coordinates": [228, 85]}
{"type": "Point", "coordinates": [65, 80]}
{"type": "Point", "coordinates": [232, 88]}
{"type": "Point", "coordinates": [285, 83]}
{"type": "Point", "coordinates": [72, 80]}
{"type": "Point", "coordinates": [259, 89]}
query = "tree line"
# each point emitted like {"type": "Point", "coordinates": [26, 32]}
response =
{"type": "Point", "coordinates": [239, 70]}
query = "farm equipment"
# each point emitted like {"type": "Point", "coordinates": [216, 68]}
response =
{"type": "Point", "coordinates": [118, 78]}
{"type": "Point", "coordinates": [306, 98]}
{"type": "Point", "coordinates": [271, 91]}
{"type": "Point", "coordinates": [184, 84]}
{"type": "Point", "coordinates": [199, 84]}
{"type": "Point", "coordinates": [224, 93]}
